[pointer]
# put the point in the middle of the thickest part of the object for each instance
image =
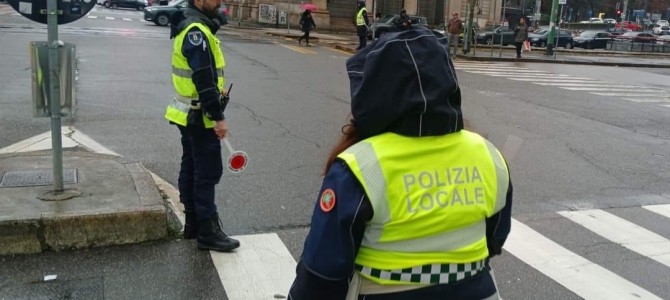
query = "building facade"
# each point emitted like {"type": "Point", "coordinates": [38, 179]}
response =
{"type": "Point", "coordinates": [339, 15]}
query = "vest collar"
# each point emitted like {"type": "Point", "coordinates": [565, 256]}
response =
{"type": "Point", "coordinates": [193, 15]}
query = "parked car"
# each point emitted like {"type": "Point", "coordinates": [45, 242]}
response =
{"type": "Point", "coordinates": [592, 40]}
{"type": "Point", "coordinates": [539, 38]}
{"type": "Point", "coordinates": [387, 24]}
{"type": "Point", "coordinates": [663, 40]}
{"type": "Point", "coordinates": [161, 15]}
{"type": "Point", "coordinates": [640, 37]}
{"type": "Point", "coordinates": [496, 36]}
{"type": "Point", "coordinates": [593, 20]}
{"type": "Point", "coordinates": [609, 21]}
{"type": "Point", "coordinates": [629, 25]}
{"type": "Point", "coordinates": [663, 23]}
{"type": "Point", "coordinates": [136, 4]}
{"type": "Point", "coordinates": [660, 29]}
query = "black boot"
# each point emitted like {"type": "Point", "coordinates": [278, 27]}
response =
{"type": "Point", "coordinates": [300, 41]}
{"type": "Point", "coordinates": [191, 226]}
{"type": "Point", "coordinates": [211, 237]}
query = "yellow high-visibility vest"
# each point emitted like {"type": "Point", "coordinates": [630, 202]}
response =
{"type": "Point", "coordinates": [430, 197]}
{"type": "Point", "coordinates": [360, 21]}
{"type": "Point", "coordinates": [177, 110]}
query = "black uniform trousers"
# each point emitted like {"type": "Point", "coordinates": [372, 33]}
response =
{"type": "Point", "coordinates": [201, 166]}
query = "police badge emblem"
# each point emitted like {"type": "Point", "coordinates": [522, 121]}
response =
{"type": "Point", "coordinates": [195, 38]}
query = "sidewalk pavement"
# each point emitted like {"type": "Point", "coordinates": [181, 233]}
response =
{"type": "Point", "coordinates": [119, 202]}
{"type": "Point", "coordinates": [349, 41]}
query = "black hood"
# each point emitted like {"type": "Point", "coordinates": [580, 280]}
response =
{"type": "Point", "coordinates": [181, 20]}
{"type": "Point", "coordinates": [405, 83]}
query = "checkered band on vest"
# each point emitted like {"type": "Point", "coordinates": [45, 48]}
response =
{"type": "Point", "coordinates": [427, 274]}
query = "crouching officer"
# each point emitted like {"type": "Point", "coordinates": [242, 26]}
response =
{"type": "Point", "coordinates": [412, 205]}
{"type": "Point", "coordinates": [197, 110]}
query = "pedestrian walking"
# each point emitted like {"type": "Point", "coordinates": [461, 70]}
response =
{"type": "Point", "coordinates": [306, 23]}
{"type": "Point", "coordinates": [454, 28]}
{"type": "Point", "coordinates": [197, 111]}
{"type": "Point", "coordinates": [412, 206]}
{"type": "Point", "coordinates": [362, 24]}
{"type": "Point", "coordinates": [520, 36]}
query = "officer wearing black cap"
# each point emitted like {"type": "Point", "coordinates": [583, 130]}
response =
{"type": "Point", "coordinates": [197, 110]}
{"type": "Point", "coordinates": [412, 206]}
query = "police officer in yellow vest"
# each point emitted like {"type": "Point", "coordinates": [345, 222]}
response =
{"type": "Point", "coordinates": [362, 23]}
{"type": "Point", "coordinates": [412, 206]}
{"type": "Point", "coordinates": [197, 110]}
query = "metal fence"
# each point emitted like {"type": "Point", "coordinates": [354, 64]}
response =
{"type": "Point", "coordinates": [630, 46]}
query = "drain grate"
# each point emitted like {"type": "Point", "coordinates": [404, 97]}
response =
{"type": "Point", "coordinates": [35, 178]}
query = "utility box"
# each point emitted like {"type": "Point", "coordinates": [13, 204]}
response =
{"type": "Point", "coordinates": [39, 62]}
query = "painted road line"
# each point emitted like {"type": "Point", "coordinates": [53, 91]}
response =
{"type": "Point", "coordinates": [563, 79]}
{"type": "Point", "coordinates": [581, 276]}
{"type": "Point", "coordinates": [519, 71]}
{"type": "Point", "coordinates": [260, 269]}
{"type": "Point", "coordinates": [109, 18]}
{"type": "Point", "coordinates": [661, 209]}
{"type": "Point", "coordinates": [666, 105]}
{"type": "Point", "coordinates": [647, 100]}
{"type": "Point", "coordinates": [126, 19]}
{"type": "Point", "coordinates": [609, 89]}
{"type": "Point", "coordinates": [300, 49]}
{"type": "Point", "coordinates": [632, 95]}
{"type": "Point", "coordinates": [92, 17]}
{"type": "Point", "coordinates": [341, 52]}
{"type": "Point", "coordinates": [517, 75]}
{"type": "Point", "coordinates": [623, 232]}
{"type": "Point", "coordinates": [590, 84]}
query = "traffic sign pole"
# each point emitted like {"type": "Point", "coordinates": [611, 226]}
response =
{"type": "Point", "coordinates": [54, 94]}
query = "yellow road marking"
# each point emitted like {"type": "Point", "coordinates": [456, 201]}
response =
{"type": "Point", "coordinates": [340, 51]}
{"type": "Point", "coordinates": [300, 49]}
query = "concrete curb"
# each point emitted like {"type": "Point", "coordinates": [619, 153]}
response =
{"type": "Point", "coordinates": [105, 221]}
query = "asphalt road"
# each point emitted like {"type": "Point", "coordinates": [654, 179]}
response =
{"type": "Point", "coordinates": [574, 144]}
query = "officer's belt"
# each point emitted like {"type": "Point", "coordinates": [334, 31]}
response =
{"type": "Point", "coordinates": [427, 274]}
{"type": "Point", "coordinates": [194, 103]}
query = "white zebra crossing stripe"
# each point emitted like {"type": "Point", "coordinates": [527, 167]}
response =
{"type": "Point", "coordinates": [583, 277]}
{"type": "Point", "coordinates": [515, 75]}
{"type": "Point", "coordinates": [609, 89]}
{"type": "Point", "coordinates": [591, 84]}
{"type": "Point", "coordinates": [661, 209]}
{"type": "Point", "coordinates": [623, 232]}
{"type": "Point", "coordinates": [636, 94]}
{"type": "Point", "coordinates": [109, 18]}
{"type": "Point", "coordinates": [566, 79]}
{"type": "Point", "coordinates": [647, 99]}
{"type": "Point", "coordinates": [260, 269]}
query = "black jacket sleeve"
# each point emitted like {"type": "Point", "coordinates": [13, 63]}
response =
{"type": "Point", "coordinates": [498, 226]}
{"type": "Point", "coordinates": [197, 51]}
{"type": "Point", "coordinates": [332, 244]}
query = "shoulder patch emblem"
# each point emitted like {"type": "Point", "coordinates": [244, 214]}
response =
{"type": "Point", "coordinates": [195, 38]}
{"type": "Point", "coordinates": [327, 200]}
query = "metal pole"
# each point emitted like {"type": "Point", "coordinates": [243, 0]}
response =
{"type": "Point", "coordinates": [624, 12]}
{"type": "Point", "coordinates": [552, 28]}
{"type": "Point", "coordinates": [559, 31]}
{"type": "Point", "coordinates": [502, 27]}
{"type": "Point", "coordinates": [288, 23]}
{"type": "Point", "coordinates": [54, 94]}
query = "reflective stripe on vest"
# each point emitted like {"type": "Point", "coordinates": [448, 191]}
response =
{"type": "Point", "coordinates": [188, 74]}
{"type": "Point", "coordinates": [390, 240]}
{"type": "Point", "coordinates": [182, 73]}
{"type": "Point", "coordinates": [360, 21]}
